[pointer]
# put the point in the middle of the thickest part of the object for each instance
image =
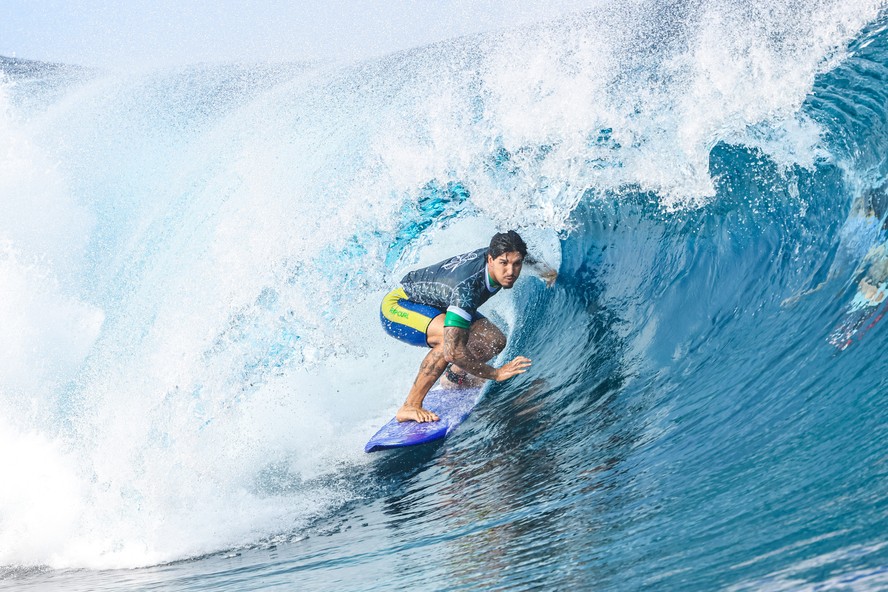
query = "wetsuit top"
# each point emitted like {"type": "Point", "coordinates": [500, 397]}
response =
{"type": "Point", "coordinates": [458, 285]}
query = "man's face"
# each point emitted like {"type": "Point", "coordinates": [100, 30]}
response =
{"type": "Point", "coordinates": [506, 268]}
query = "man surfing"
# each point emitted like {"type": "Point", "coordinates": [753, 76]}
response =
{"type": "Point", "coordinates": [437, 307]}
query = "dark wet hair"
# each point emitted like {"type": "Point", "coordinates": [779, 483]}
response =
{"type": "Point", "coordinates": [506, 242]}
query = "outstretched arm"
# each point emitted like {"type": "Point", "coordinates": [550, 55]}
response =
{"type": "Point", "coordinates": [541, 269]}
{"type": "Point", "coordinates": [457, 352]}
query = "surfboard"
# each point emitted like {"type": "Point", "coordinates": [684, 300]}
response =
{"type": "Point", "coordinates": [452, 406]}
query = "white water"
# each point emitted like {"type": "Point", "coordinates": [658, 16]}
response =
{"type": "Point", "coordinates": [190, 270]}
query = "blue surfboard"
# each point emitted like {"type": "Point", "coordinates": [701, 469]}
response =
{"type": "Point", "coordinates": [452, 407]}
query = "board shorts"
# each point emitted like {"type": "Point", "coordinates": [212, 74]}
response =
{"type": "Point", "coordinates": [409, 321]}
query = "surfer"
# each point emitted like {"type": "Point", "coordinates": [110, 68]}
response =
{"type": "Point", "coordinates": [437, 307]}
{"type": "Point", "coordinates": [863, 240]}
{"type": "Point", "coordinates": [873, 230]}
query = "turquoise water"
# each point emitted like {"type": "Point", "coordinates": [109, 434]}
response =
{"type": "Point", "coordinates": [192, 259]}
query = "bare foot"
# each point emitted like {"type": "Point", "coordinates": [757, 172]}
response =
{"type": "Point", "coordinates": [417, 414]}
{"type": "Point", "coordinates": [466, 381]}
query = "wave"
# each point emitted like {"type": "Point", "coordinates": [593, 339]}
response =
{"type": "Point", "coordinates": [192, 256]}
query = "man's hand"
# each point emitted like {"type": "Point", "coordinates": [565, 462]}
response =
{"type": "Point", "coordinates": [517, 366]}
{"type": "Point", "coordinates": [542, 270]}
{"type": "Point", "coordinates": [549, 276]}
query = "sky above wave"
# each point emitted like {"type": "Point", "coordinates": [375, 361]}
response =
{"type": "Point", "coordinates": [146, 33]}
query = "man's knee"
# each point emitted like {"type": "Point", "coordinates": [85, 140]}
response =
{"type": "Point", "coordinates": [495, 339]}
{"type": "Point", "coordinates": [498, 342]}
{"type": "Point", "coordinates": [486, 340]}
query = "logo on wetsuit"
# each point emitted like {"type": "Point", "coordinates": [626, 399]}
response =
{"type": "Point", "coordinates": [459, 260]}
{"type": "Point", "coordinates": [399, 313]}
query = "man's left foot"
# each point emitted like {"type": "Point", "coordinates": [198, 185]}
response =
{"type": "Point", "coordinates": [417, 414]}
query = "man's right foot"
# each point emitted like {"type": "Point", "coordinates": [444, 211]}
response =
{"type": "Point", "coordinates": [455, 378]}
{"type": "Point", "coordinates": [417, 414]}
{"type": "Point", "coordinates": [461, 379]}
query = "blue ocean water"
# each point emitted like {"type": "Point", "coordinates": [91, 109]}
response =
{"type": "Point", "coordinates": [191, 262]}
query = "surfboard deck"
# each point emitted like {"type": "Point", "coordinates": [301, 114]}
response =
{"type": "Point", "coordinates": [452, 406]}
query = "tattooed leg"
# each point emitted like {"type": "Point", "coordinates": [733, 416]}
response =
{"type": "Point", "coordinates": [429, 371]}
